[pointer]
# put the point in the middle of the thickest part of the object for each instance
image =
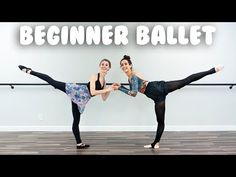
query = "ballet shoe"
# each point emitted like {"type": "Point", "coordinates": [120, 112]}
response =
{"type": "Point", "coordinates": [150, 146]}
{"type": "Point", "coordinates": [24, 69]}
{"type": "Point", "coordinates": [219, 68]}
{"type": "Point", "coordinates": [82, 146]}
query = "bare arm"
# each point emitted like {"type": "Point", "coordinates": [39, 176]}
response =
{"type": "Point", "coordinates": [105, 95]}
{"type": "Point", "coordinates": [95, 92]}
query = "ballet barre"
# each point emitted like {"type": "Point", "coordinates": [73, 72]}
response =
{"type": "Point", "coordinates": [43, 84]}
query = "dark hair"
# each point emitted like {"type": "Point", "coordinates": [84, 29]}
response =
{"type": "Point", "coordinates": [106, 61]}
{"type": "Point", "coordinates": [126, 57]}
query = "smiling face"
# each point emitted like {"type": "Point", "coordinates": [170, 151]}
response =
{"type": "Point", "coordinates": [125, 66]}
{"type": "Point", "coordinates": [105, 65]}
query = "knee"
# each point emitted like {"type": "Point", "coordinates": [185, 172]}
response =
{"type": "Point", "coordinates": [161, 125]}
{"type": "Point", "coordinates": [75, 126]}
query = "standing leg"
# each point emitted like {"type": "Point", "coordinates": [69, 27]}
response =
{"type": "Point", "coordinates": [160, 116]}
{"type": "Point", "coordinates": [174, 85]}
{"type": "Point", "coordinates": [56, 84]}
{"type": "Point", "coordinates": [75, 127]}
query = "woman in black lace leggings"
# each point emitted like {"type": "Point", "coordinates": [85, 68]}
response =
{"type": "Point", "coordinates": [156, 90]}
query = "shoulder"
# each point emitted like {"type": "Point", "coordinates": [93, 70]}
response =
{"type": "Point", "coordinates": [134, 77]}
{"type": "Point", "coordinates": [93, 76]}
{"type": "Point", "coordinates": [140, 76]}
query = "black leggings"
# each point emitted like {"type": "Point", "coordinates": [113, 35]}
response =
{"type": "Point", "coordinates": [171, 86]}
{"type": "Point", "coordinates": [61, 86]}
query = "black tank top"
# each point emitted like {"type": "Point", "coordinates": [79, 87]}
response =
{"type": "Point", "coordinates": [98, 85]}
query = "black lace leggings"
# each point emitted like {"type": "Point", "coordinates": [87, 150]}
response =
{"type": "Point", "coordinates": [61, 86]}
{"type": "Point", "coordinates": [170, 87]}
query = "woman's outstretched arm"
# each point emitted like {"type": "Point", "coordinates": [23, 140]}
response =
{"type": "Point", "coordinates": [133, 87]}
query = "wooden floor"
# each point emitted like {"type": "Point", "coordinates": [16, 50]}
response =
{"type": "Point", "coordinates": [118, 143]}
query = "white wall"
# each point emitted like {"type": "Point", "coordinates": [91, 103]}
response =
{"type": "Point", "coordinates": [44, 108]}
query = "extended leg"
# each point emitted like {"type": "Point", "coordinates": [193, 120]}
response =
{"type": "Point", "coordinates": [174, 85]}
{"type": "Point", "coordinates": [57, 84]}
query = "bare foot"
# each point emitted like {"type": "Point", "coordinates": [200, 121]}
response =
{"type": "Point", "coordinates": [219, 68]}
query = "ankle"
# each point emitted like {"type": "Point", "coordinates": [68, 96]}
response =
{"type": "Point", "coordinates": [27, 71]}
{"type": "Point", "coordinates": [155, 145]}
{"type": "Point", "coordinates": [152, 146]}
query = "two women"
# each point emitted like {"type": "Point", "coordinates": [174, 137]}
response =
{"type": "Point", "coordinates": [155, 90]}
